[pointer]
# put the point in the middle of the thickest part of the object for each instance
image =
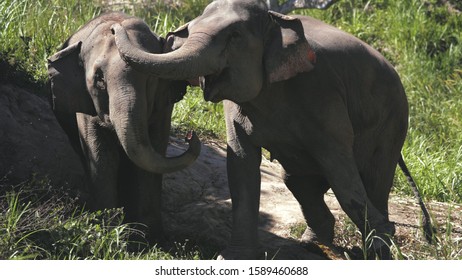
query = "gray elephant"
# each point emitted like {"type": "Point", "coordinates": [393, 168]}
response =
{"type": "Point", "coordinates": [327, 106]}
{"type": "Point", "coordinates": [117, 118]}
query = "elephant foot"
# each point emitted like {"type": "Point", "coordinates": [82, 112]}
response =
{"type": "Point", "coordinates": [236, 253]}
{"type": "Point", "coordinates": [321, 243]}
{"type": "Point", "coordinates": [309, 236]}
{"type": "Point", "coordinates": [376, 246]}
{"type": "Point", "coordinates": [380, 248]}
{"type": "Point", "coordinates": [320, 246]}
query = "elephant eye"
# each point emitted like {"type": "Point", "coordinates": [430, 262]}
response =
{"type": "Point", "coordinates": [235, 34]}
{"type": "Point", "coordinates": [235, 37]}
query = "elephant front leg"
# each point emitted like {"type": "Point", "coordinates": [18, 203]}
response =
{"type": "Point", "coordinates": [100, 150]}
{"type": "Point", "coordinates": [243, 165]}
{"type": "Point", "coordinates": [148, 209]}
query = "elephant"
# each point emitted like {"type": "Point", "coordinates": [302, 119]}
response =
{"type": "Point", "coordinates": [118, 119]}
{"type": "Point", "coordinates": [330, 108]}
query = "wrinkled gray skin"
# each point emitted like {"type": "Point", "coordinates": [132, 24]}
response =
{"type": "Point", "coordinates": [117, 118]}
{"type": "Point", "coordinates": [326, 105]}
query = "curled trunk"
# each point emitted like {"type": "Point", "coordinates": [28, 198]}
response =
{"type": "Point", "coordinates": [188, 62]}
{"type": "Point", "coordinates": [128, 113]}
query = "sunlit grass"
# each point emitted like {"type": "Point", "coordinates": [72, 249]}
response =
{"type": "Point", "coordinates": [30, 31]}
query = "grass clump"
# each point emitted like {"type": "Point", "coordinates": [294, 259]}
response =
{"type": "Point", "coordinates": [40, 222]}
{"type": "Point", "coordinates": [30, 31]}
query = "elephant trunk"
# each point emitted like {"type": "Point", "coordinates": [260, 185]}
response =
{"type": "Point", "coordinates": [128, 114]}
{"type": "Point", "coordinates": [188, 62]}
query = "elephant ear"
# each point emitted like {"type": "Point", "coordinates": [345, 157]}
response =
{"type": "Point", "coordinates": [287, 52]}
{"type": "Point", "coordinates": [67, 80]}
{"type": "Point", "coordinates": [176, 38]}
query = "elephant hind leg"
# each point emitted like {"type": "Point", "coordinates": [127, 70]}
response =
{"type": "Point", "coordinates": [309, 192]}
{"type": "Point", "coordinates": [377, 155]}
{"type": "Point", "coordinates": [377, 177]}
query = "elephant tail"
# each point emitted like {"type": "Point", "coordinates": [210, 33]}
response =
{"type": "Point", "coordinates": [429, 230]}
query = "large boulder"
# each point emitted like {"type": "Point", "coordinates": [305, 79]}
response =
{"type": "Point", "coordinates": [32, 144]}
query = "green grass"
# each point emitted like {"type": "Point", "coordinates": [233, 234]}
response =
{"type": "Point", "coordinates": [40, 222]}
{"type": "Point", "coordinates": [421, 38]}
{"type": "Point", "coordinates": [32, 30]}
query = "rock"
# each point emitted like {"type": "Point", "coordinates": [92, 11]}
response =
{"type": "Point", "coordinates": [32, 144]}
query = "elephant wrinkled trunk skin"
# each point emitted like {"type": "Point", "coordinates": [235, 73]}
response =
{"type": "Point", "coordinates": [182, 64]}
{"type": "Point", "coordinates": [127, 114]}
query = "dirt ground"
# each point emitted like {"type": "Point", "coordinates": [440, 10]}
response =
{"type": "Point", "coordinates": [197, 206]}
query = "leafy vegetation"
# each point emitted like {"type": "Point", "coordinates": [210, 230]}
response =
{"type": "Point", "coordinates": [421, 38]}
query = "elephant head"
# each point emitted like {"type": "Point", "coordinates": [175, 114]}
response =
{"type": "Point", "coordinates": [88, 76]}
{"type": "Point", "coordinates": [235, 47]}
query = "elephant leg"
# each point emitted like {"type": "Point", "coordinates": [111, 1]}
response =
{"type": "Point", "coordinates": [100, 150]}
{"type": "Point", "coordinates": [378, 169]}
{"type": "Point", "coordinates": [244, 184]}
{"type": "Point", "coordinates": [149, 207]}
{"type": "Point", "coordinates": [140, 195]}
{"type": "Point", "coordinates": [244, 179]}
{"type": "Point", "coordinates": [378, 177]}
{"type": "Point", "coordinates": [343, 176]}
{"type": "Point", "coordinates": [141, 190]}
{"type": "Point", "coordinates": [309, 192]}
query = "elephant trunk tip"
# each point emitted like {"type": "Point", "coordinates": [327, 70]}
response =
{"type": "Point", "coordinates": [116, 27]}
{"type": "Point", "coordinates": [189, 135]}
{"type": "Point", "coordinates": [194, 143]}
{"type": "Point", "coordinates": [121, 34]}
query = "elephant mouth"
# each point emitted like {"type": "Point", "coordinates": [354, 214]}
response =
{"type": "Point", "coordinates": [208, 85]}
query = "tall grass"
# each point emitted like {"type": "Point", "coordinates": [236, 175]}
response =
{"type": "Point", "coordinates": [41, 222]}
{"type": "Point", "coordinates": [30, 31]}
